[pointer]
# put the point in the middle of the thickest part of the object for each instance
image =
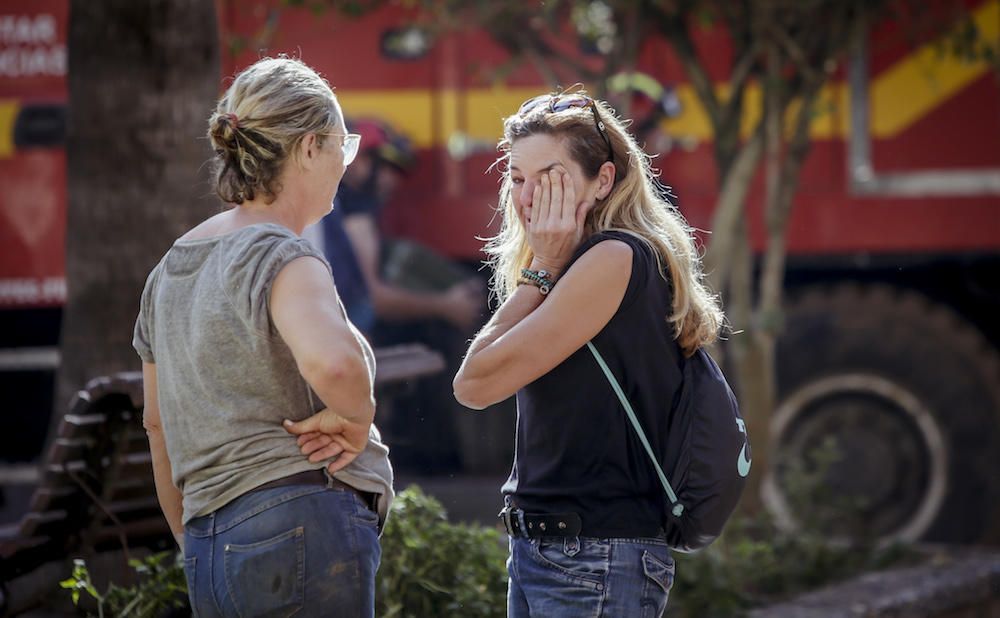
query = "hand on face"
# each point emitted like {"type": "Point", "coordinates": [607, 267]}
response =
{"type": "Point", "coordinates": [554, 221]}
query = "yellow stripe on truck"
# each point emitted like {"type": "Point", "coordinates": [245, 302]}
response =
{"type": "Point", "coordinates": [899, 97]}
{"type": "Point", "coordinates": [925, 78]}
{"type": "Point", "coordinates": [430, 117]}
{"type": "Point", "coordinates": [8, 114]}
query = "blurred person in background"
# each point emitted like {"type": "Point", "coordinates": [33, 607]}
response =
{"type": "Point", "coordinates": [383, 159]}
{"type": "Point", "coordinates": [245, 346]}
{"type": "Point", "coordinates": [399, 292]}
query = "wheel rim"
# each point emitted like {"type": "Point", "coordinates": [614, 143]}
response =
{"type": "Point", "coordinates": [894, 456]}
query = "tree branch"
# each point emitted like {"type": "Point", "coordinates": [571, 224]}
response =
{"type": "Point", "coordinates": [792, 50]}
{"type": "Point", "coordinates": [779, 207]}
{"type": "Point", "coordinates": [538, 59]}
{"type": "Point", "coordinates": [527, 41]}
{"type": "Point", "coordinates": [676, 32]}
{"type": "Point", "coordinates": [743, 69]}
{"type": "Point", "coordinates": [729, 211]}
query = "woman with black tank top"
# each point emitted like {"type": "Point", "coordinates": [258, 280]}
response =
{"type": "Point", "coordinates": [589, 249]}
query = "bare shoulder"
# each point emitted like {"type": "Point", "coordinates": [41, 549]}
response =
{"type": "Point", "coordinates": [604, 270]}
{"type": "Point", "coordinates": [611, 256]}
{"type": "Point", "coordinates": [302, 281]}
{"type": "Point", "coordinates": [302, 296]}
{"type": "Point", "coordinates": [303, 271]}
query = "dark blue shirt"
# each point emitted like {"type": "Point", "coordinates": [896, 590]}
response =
{"type": "Point", "coordinates": [347, 275]}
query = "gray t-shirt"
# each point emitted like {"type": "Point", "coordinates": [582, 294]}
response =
{"type": "Point", "coordinates": [225, 377]}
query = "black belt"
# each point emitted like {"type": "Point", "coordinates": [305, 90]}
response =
{"type": "Point", "coordinates": [320, 477]}
{"type": "Point", "coordinates": [537, 525]}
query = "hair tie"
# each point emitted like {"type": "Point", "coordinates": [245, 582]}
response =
{"type": "Point", "coordinates": [233, 119]}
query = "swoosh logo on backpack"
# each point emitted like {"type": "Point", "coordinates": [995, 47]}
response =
{"type": "Point", "coordinates": [743, 464]}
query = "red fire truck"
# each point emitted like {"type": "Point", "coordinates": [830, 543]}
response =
{"type": "Point", "coordinates": [891, 341]}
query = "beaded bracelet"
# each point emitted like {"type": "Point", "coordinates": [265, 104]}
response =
{"type": "Point", "coordinates": [542, 279]}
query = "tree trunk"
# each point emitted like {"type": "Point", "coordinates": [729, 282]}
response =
{"type": "Point", "coordinates": [730, 210]}
{"type": "Point", "coordinates": [755, 364]}
{"type": "Point", "coordinates": [143, 75]}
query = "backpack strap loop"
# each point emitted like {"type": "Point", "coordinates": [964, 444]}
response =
{"type": "Point", "coordinates": [678, 508]}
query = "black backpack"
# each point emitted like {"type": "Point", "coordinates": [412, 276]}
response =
{"type": "Point", "coordinates": [706, 453]}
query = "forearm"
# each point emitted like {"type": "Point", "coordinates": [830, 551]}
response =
{"type": "Point", "coordinates": [472, 382]}
{"type": "Point", "coordinates": [390, 301]}
{"type": "Point", "coordinates": [169, 497]}
{"type": "Point", "coordinates": [398, 303]}
{"type": "Point", "coordinates": [519, 305]}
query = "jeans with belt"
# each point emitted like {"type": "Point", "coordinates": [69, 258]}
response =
{"type": "Point", "coordinates": [579, 577]}
{"type": "Point", "coordinates": [306, 550]}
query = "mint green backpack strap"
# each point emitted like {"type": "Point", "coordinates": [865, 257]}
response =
{"type": "Point", "coordinates": [678, 507]}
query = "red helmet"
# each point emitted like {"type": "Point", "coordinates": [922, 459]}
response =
{"type": "Point", "coordinates": [383, 142]}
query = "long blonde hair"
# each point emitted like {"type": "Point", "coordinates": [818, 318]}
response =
{"type": "Point", "coordinates": [637, 205]}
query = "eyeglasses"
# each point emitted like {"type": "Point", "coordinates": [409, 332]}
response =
{"type": "Point", "coordinates": [558, 103]}
{"type": "Point", "coordinates": [352, 141]}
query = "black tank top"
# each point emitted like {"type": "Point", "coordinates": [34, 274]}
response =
{"type": "Point", "coordinates": [575, 449]}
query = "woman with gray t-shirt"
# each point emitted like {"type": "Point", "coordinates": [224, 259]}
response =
{"type": "Point", "coordinates": [258, 390]}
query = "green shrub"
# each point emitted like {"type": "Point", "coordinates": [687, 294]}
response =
{"type": "Point", "coordinates": [430, 567]}
{"type": "Point", "coordinates": [434, 568]}
{"type": "Point", "coordinates": [161, 587]}
{"type": "Point", "coordinates": [754, 563]}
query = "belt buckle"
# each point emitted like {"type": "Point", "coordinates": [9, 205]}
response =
{"type": "Point", "coordinates": [504, 516]}
{"type": "Point", "coordinates": [510, 523]}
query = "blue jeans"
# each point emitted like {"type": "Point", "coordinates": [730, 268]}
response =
{"type": "Point", "coordinates": [306, 550]}
{"type": "Point", "coordinates": [581, 577]}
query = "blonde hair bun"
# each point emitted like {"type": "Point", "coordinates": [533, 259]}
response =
{"type": "Point", "coordinates": [270, 106]}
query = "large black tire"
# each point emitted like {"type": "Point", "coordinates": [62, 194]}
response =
{"type": "Point", "coordinates": [910, 392]}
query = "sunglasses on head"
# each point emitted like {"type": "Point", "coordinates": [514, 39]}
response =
{"type": "Point", "coordinates": [561, 102]}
